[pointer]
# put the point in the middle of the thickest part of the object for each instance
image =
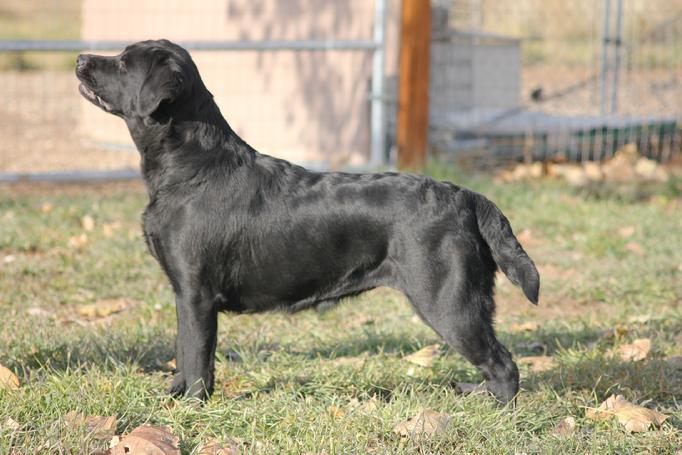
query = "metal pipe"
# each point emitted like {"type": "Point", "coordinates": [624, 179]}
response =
{"type": "Point", "coordinates": [604, 58]}
{"type": "Point", "coordinates": [289, 45]}
{"type": "Point", "coordinates": [378, 123]}
{"type": "Point", "coordinates": [616, 65]}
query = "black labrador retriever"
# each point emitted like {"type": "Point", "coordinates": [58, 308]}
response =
{"type": "Point", "coordinates": [236, 230]}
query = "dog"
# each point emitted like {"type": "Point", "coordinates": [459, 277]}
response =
{"type": "Point", "coordinates": [239, 231]}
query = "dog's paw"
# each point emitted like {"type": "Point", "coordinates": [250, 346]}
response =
{"type": "Point", "coordinates": [177, 388]}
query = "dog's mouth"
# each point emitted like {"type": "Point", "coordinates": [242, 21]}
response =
{"type": "Point", "coordinates": [94, 98]}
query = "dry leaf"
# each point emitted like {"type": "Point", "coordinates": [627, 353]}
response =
{"type": "Point", "coordinates": [524, 327]}
{"type": "Point", "coordinates": [635, 248]}
{"type": "Point", "coordinates": [634, 418]}
{"type": "Point", "coordinates": [626, 231]}
{"type": "Point", "coordinates": [46, 207]}
{"type": "Point", "coordinates": [216, 447]}
{"type": "Point", "coordinates": [427, 422]}
{"type": "Point", "coordinates": [11, 424]}
{"type": "Point", "coordinates": [335, 412]}
{"type": "Point", "coordinates": [104, 307]}
{"type": "Point", "coordinates": [88, 223]}
{"type": "Point", "coordinates": [538, 363]}
{"type": "Point", "coordinates": [468, 388]}
{"type": "Point", "coordinates": [425, 356]}
{"type": "Point", "coordinates": [38, 312]}
{"type": "Point", "coordinates": [108, 229]}
{"type": "Point", "coordinates": [8, 380]}
{"type": "Point", "coordinates": [637, 350]}
{"type": "Point", "coordinates": [98, 426]}
{"type": "Point", "coordinates": [565, 427]}
{"type": "Point", "coordinates": [148, 440]}
{"type": "Point", "coordinates": [78, 241]}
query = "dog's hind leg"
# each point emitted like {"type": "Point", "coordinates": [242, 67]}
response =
{"type": "Point", "coordinates": [461, 313]}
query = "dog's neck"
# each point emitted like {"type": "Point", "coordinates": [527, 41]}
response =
{"type": "Point", "coordinates": [170, 141]}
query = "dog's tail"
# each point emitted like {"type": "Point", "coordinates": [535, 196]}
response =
{"type": "Point", "coordinates": [506, 250]}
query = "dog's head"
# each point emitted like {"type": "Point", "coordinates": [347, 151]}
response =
{"type": "Point", "coordinates": [139, 81]}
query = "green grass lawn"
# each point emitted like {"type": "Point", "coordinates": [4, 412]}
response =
{"type": "Point", "coordinates": [291, 383]}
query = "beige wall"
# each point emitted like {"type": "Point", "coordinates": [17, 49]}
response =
{"type": "Point", "coordinates": [308, 107]}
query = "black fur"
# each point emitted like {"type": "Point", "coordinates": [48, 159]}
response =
{"type": "Point", "coordinates": [236, 230]}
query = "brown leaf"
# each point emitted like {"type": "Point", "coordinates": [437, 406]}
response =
{"type": "Point", "coordinates": [637, 350]}
{"type": "Point", "coordinates": [537, 363]}
{"type": "Point", "coordinates": [104, 307]}
{"type": "Point", "coordinates": [148, 440]}
{"type": "Point", "coordinates": [626, 231]}
{"type": "Point", "coordinates": [46, 207]}
{"type": "Point", "coordinates": [425, 356]}
{"type": "Point", "coordinates": [88, 223]}
{"type": "Point", "coordinates": [11, 424]}
{"type": "Point", "coordinates": [634, 418]}
{"type": "Point", "coordinates": [108, 229]}
{"type": "Point", "coordinates": [335, 412]}
{"type": "Point", "coordinates": [98, 426]}
{"type": "Point", "coordinates": [216, 447]}
{"type": "Point", "coordinates": [426, 422]}
{"type": "Point", "coordinates": [367, 407]}
{"type": "Point", "coordinates": [8, 380]}
{"type": "Point", "coordinates": [565, 427]}
{"type": "Point", "coordinates": [635, 248]}
{"type": "Point", "coordinates": [78, 241]}
{"type": "Point", "coordinates": [524, 326]}
{"type": "Point", "coordinates": [468, 388]}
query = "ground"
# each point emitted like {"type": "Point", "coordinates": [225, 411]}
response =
{"type": "Point", "coordinates": [611, 266]}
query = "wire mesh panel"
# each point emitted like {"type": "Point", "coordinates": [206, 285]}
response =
{"type": "Point", "coordinates": [589, 76]}
{"type": "Point", "coordinates": [293, 78]}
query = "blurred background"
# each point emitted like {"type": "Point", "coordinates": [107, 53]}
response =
{"type": "Point", "coordinates": [317, 81]}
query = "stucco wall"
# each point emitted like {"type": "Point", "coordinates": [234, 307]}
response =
{"type": "Point", "coordinates": [308, 107]}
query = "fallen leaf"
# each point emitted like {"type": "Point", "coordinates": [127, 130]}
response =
{"type": "Point", "coordinates": [11, 424]}
{"type": "Point", "coordinates": [637, 350]}
{"type": "Point", "coordinates": [425, 356]}
{"type": "Point", "coordinates": [370, 405]}
{"type": "Point", "coordinates": [468, 388]}
{"type": "Point", "coordinates": [78, 241]}
{"type": "Point", "coordinates": [635, 248]}
{"type": "Point", "coordinates": [537, 363]}
{"type": "Point", "coordinates": [524, 327]}
{"type": "Point", "coordinates": [108, 229]}
{"type": "Point", "coordinates": [626, 231]}
{"type": "Point", "coordinates": [634, 418]}
{"type": "Point", "coordinates": [216, 447]}
{"type": "Point", "coordinates": [46, 207]}
{"type": "Point", "coordinates": [38, 312]}
{"type": "Point", "coordinates": [335, 412]}
{"type": "Point", "coordinates": [426, 422]}
{"type": "Point", "coordinates": [8, 380]}
{"type": "Point", "coordinates": [9, 259]}
{"type": "Point", "coordinates": [148, 440]}
{"type": "Point", "coordinates": [88, 223]}
{"type": "Point", "coordinates": [104, 307]}
{"type": "Point", "coordinates": [99, 427]}
{"type": "Point", "coordinates": [565, 427]}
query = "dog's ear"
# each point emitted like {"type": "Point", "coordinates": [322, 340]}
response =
{"type": "Point", "coordinates": [163, 83]}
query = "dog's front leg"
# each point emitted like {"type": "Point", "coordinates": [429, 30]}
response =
{"type": "Point", "coordinates": [195, 345]}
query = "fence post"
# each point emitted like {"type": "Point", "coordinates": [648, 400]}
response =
{"type": "Point", "coordinates": [378, 125]}
{"type": "Point", "coordinates": [618, 44]}
{"type": "Point", "coordinates": [413, 93]}
{"type": "Point", "coordinates": [604, 57]}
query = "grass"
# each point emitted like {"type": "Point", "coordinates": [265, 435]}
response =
{"type": "Point", "coordinates": [292, 386]}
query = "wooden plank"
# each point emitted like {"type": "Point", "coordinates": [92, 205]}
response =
{"type": "Point", "coordinates": [413, 92]}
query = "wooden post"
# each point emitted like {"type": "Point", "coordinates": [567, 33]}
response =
{"type": "Point", "coordinates": [413, 93]}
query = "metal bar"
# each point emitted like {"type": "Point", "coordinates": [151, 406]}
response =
{"type": "Point", "coordinates": [69, 176]}
{"type": "Point", "coordinates": [290, 45]}
{"type": "Point", "coordinates": [378, 124]}
{"type": "Point", "coordinates": [604, 57]}
{"type": "Point", "coordinates": [617, 51]}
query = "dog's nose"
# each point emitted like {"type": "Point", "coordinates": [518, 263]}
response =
{"type": "Point", "coordinates": [82, 62]}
